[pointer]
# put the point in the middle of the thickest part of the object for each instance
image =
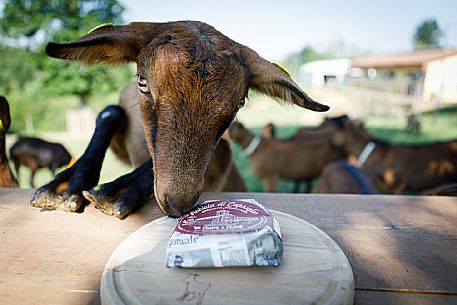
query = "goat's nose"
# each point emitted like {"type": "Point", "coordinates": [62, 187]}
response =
{"type": "Point", "coordinates": [179, 204]}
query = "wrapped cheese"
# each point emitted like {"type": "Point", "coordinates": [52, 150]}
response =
{"type": "Point", "coordinates": [225, 233]}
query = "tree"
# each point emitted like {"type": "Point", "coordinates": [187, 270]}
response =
{"type": "Point", "coordinates": [428, 35]}
{"type": "Point", "coordinates": [35, 21]}
{"type": "Point", "coordinates": [295, 60]}
{"type": "Point", "coordinates": [29, 24]}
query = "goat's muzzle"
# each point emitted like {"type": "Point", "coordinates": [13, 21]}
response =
{"type": "Point", "coordinates": [177, 204]}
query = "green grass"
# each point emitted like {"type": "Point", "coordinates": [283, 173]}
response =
{"type": "Point", "coordinates": [437, 126]}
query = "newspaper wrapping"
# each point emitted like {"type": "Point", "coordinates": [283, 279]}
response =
{"type": "Point", "coordinates": [225, 233]}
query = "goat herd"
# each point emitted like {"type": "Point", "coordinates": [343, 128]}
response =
{"type": "Point", "coordinates": [340, 152]}
{"type": "Point", "coordinates": [348, 159]}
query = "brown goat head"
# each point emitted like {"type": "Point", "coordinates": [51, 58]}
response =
{"type": "Point", "coordinates": [239, 133]}
{"type": "Point", "coordinates": [191, 82]}
{"type": "Point", "coordinates": [269, 131]}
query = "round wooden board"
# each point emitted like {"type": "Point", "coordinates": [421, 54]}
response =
{"type": "Point", "coordinates": [314, 271]}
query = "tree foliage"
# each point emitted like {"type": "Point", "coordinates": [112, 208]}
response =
{"type": "Point", "coordinates": [28, 76]}
{"type": "Point", "coordinates": [35, 21]}
{"type": "Point", "coordinates": [428, 35]}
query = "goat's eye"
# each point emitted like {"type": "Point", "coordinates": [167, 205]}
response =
{"type": "Point", "coordinates": [143, 84]}
{"type": "Point", "coordinates": [241, 103]}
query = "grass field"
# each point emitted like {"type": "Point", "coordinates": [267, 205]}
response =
{"type": "Point", "coordinates": [435, 126]}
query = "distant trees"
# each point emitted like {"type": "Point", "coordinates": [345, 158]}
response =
{"type": "Point", "coordinates": [427, 35]}
{"type": "Point", "coordinates": [31, 76]}
{"type": "Point", "coordinates": [41, 20]}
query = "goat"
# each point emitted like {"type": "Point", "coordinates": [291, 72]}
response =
{"type": "Point", "coordinates": [222, 175]}
{"type": "Point", "coordinates": [306, 133]}
{"type": "Point", "coordinates": [7, 178]}
{"type": "Point", "coordinates": [396, 167]}
{"type": "Point", "coordinates": [296, 160]}
{"type": "Point", "coordinates": [342, 177]}
{"type": "Point", "coordinates": [36, 153]}
{"type": "Point", "coordinates": [191, 82]}
{"type": "Point", "coordinates": [269, 131]}
{"type": "Point", "coordinates": [413, 124]}
{"type": "Point", "coordinates": [326, 129]}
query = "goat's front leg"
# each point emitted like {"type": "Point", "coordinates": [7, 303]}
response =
{"type": "Point", "coordinates": [65, 191]}
{"type": "Point", "coordinates": [400, 188]}
{"type": "Point", "coordinates": [308, 185]}
{"type": "Point", "coordinates": [32, 177]}
{"type": "Point", "coordinates": [297, 186]}
{"type": "Point", "coordinates": [126, 194]}
{"type": "Point", "coordinates": [270, 183]}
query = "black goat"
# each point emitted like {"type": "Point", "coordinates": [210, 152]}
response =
{"type": "Point", "coordinates": [36, 153]}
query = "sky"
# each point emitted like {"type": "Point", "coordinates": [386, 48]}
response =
{"type": "Point", "coordinates": [277, 28]}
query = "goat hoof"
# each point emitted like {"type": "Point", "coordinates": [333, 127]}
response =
{"type": "Point", "coordinates": [121, 210]}
{"type": "Point", "coordinates": [101, 202]}
{"type": "Point", "coordinates": [106, 204]}
{"type": "Point", "coordinates": [45, 200]}
{"type": "Point", "coordinates": [72, 203]}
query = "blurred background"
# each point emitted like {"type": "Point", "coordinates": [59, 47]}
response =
{"type": "Point", "coordinates": [382, 62]}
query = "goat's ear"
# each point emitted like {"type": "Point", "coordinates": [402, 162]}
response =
{"type": "Point", "coordinates": [106, 44]}
{"type": "Point", "coordinates": [274, 81]}
{"type": "Point", "coordinates": [5, 118]}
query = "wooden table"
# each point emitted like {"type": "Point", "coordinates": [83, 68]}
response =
{"type": "Point", "coordinates": [403, 249]}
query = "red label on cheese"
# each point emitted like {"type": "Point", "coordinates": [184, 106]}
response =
{"type": "Point", "coordinates": [224, 216]}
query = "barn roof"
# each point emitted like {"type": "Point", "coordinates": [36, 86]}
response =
{"type": "Point", "coordinates": [402, 60]}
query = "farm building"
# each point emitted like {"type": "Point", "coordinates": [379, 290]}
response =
{"type": "Point", "coordinates": [323, 72]}
{"type": "Point", "coordinates": [430, 75]}
{"type": "Point", "coordinates": [441, 79]}
{"type": "Point", "coordinates": [391, 84]}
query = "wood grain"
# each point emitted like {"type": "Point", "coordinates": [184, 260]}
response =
{"type": "Point", "coordinates": [314, 271]}
{"type": "Point", "coordinates": [392, 242]}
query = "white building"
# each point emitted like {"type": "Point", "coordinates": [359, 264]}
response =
{"type": "Point", "coordinates": [430, 75]}
{"type": "Point", "coordinates": [440, 80]}
{"type": "Point", "coordinates": [321, 72]}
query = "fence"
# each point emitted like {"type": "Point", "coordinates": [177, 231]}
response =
{"type": "Point", "coordinates": [80, 122]}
